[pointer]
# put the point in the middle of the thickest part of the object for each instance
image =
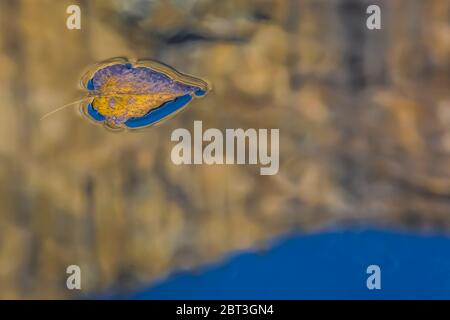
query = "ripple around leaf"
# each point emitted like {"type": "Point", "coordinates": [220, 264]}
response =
{"type": "Point", "coordinates": [133, 96]}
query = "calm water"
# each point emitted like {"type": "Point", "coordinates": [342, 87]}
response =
{"type": "Point", "coordinates": [328, 265]}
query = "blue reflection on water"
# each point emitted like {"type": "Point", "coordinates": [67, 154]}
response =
{"type": "Point", "coordinates": [330, 265]}
{"type": "Point", "coordinates": [94, 113]}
